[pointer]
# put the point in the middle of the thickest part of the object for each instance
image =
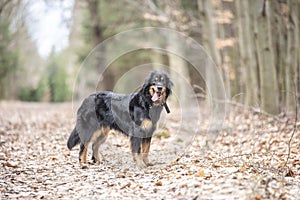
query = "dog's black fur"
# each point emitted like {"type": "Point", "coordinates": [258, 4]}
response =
{"type": "Point", "coordinates": [134, 115]}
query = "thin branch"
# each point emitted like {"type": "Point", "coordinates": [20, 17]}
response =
{"type": "Point", "coordinates": [237, 104]}
{"type": "Point", "coordinates": [293, 133]}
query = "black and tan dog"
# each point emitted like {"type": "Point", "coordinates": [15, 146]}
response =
{"type": "Point", "coordinates": [134, 115]}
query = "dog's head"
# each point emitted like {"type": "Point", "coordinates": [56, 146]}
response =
{"type": "Point", "coordinates": [158, 86]}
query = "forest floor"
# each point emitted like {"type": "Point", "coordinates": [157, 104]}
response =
{"type": "Point", "coordinates": [246, 160]}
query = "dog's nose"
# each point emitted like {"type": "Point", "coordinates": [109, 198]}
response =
{"type": "Point", "coordinates": [159, 86]}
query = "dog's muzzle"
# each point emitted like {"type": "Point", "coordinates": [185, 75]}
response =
{"type": "Point", "coordinates": [157, 92]}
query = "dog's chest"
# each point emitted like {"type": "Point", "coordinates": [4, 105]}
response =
{"type": "Point", "coordinates": [154, 113]}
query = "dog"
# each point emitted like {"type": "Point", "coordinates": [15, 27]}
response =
{"type": "Point", "coordinates": [135, 115]}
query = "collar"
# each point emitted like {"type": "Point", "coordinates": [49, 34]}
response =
{"type": "Point", "coordinates": [165, 105]}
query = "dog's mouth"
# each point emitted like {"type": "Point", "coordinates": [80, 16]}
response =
{"type": "Point", "coordinates": [156, 95]}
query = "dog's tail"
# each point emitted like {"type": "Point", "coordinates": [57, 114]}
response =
{"type": "Point", "coordinates": [73, 139]}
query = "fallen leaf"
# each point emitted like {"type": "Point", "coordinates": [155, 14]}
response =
{"type": "Point", "coordinates": [125, 186]}
{"type": "Point", "coordinates": [12, 165]}
{"type": "Point", "coordinates": [215, 165]}
{"type": "Point", "coordinates": [241, 169]}
{"type": "Point", "coordinates": [121, 175]}
{"type": "Point", "coordinates": [158, 183]}
{"type": "Point", "coordinates": [53, 158]}
{"type": "Point", "coordinates": [200, 173]}
{"type": "Point", "coordinates": [290, 173]}
{"type": "Point", "coordinates": [259, 197]}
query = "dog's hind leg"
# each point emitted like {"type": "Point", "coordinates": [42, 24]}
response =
{"type": "Point", "coordinates": [98, 138]}
{"type": "Point", "coordinates": [95, 156]}
{"type": "Point", "coordinates": [82, 155]}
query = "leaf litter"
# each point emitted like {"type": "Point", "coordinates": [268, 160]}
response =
{"type": "Point", "coordinates": [246, 160]}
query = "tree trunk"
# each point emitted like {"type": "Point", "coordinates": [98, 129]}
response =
{"type": "Point", "coordinates": [269, 88]}
{"type": "Point", "coordinates": [209, 41]}
{"type": "Point", "coordinates": [280, 47]}
{"type": "Point", "coordinates": [95, 21]}
{"type": "Point", "coordinates": [209, 29]}
{"type": "Point", "coordinates": [215, 95]}
{"type": "Point", "coordinates": [292, 56]}
{"type": "Point", "coordinates": [298, 68]}
{"type": "Point", "coordinates": [248, 60]}
{"type": "Point", "coordinates": [99, 53]}
{"type": "Point", "coordinates": [179, 67]}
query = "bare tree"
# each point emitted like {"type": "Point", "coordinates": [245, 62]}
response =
{"type": "Point", "coordinates": [246, 47]}
{"type": "Point", "coordinates": [292, 59]}
{"type": "Point", "coordinates": [209, 41]}
{"type": "Point", "coordinates": [265, 53]}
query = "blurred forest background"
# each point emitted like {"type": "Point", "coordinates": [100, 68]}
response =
{"type": "Point", "coordinates": [255, 43]}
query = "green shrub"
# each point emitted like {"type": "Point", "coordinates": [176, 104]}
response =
{"type": "Point", "coordinates": [57, 83]}
{"type": "Point", "coordinates": [54, 83]}
{"type": "Point", "coordinates": [34, 94]}
{"type": "Point", "coordinates": [27, 94]}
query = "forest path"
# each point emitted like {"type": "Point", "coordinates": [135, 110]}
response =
{"type": "Point", "coordinates": [247, 160]}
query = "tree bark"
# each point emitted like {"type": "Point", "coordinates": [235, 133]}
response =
{"type": "Point", "coordinates": [179, 67]}
{"type": "Point", "coordinates": [95, 21]}
{"type": "Point", "coordinates": [248, 60]}
{"type": "Point", "coordinates": [268, 80]}
{"type": "Point", "coordinates": [209, 41]}
{"type": "Point", "coordinates": [280, 44]}
{"type": "Point", "coordinates": [292, 56]}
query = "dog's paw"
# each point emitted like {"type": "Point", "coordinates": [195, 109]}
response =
{"type": "Point", "coordinates": [84, 166]}
{"type": "Point", "coordinates": [140, 164]}
{"type": "Point", "coordinates": [148, 163]}
{"type": "Point", "coordinates": [139, 161]}
{"type": "Point", "coordinates": [146, 160]}
{"type": "Point", "coordinates": [96, 162]}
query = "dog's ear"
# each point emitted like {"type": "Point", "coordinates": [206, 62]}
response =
{"type": "Point", "coordinates": [147, 83]}
{"type": "Point", "coordinates": [169, 87]}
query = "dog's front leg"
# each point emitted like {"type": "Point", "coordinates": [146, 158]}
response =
{"type": "Point", "coordinates": [135, 143]}
{"type": "Point", "coordinates": [145, 150]}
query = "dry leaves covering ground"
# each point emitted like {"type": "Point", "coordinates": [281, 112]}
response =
{"type": "Point", "coordinates": [246, 161]}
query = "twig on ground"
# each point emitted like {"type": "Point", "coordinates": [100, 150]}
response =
{"type": "Point", "coordinates": [293, 133]}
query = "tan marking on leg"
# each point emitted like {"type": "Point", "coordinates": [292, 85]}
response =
{"type": "Point", "coordinates": [146, 124]}
{"type": "Point", "coordinates": [145, 151]}
{"type": "Point", "coordinates": [96, 134]}
{"type": "Point", "coordinates": [99, 138]}
{"type": "Point", "coordinates": [96, 146]}
{"type": "Point", "coordinates": [83, 158]}
{"type": "Point", "coordinates": [83, 155]}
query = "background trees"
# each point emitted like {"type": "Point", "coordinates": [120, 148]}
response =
{"type": "Point", "coordinates": [254, 43]}
{"type": "Point", "coordinates": [8, 53]}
